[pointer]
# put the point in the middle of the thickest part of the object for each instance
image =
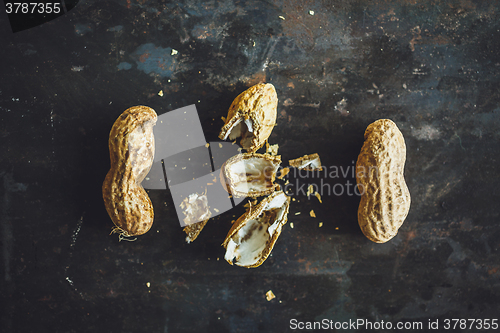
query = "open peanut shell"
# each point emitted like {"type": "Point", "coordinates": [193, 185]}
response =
{"type": "Point", "coordinates": [252, 237]}
{"type": "Point", "coordinates": [250, 174]}
{"type": "Point", "coordinates": [251, 116]}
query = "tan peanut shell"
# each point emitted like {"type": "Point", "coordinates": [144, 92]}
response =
{"type": "Point", "coordinates": [131, 150]}
{"type": "Point", "coordinates": [385, 199]}
{"type": "Point", "coordinates": [309, 162]}
{"type": "Point", "coordinates": [252, 237]}
{"type": "Point", "coordinates": [196, 214]}
{"type": "Point", "coordinates": [250, 174]}
{"type": "Point", "coordinates": [193, 230]}
{"type": "Point", "coordinates": [252, 116]}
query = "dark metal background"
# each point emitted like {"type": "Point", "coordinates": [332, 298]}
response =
{"type": "Point", "coordinates": [431, 66]}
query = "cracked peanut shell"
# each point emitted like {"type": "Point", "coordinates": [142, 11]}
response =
{"type": "Point", "coordinates": [385, 199]}
{"type": "Point", "coordinates": [252, 116]}
{"type": "Point", "coordinates": [252, 237]}
{"type": "Point", "coordinates": [250, 174]}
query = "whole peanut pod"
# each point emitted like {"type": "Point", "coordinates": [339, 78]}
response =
{"type": "Point", "coordinates": [131, 149]}
{"type": "Point", "coordinates": [385, 199]}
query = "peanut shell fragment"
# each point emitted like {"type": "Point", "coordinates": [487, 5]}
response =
{"type": "Point", "coordinates": [250, 174]}
{"type": "Point", "coordinates": [251, 116]}
{"type": "Point", "coordinates": [252, 237]}
{"type": "Point", "coordinates": [310, 162]}
{"type": "Point", "coordinates": [195, 209]}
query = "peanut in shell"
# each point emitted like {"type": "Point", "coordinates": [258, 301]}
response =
{"type": "Point", "coordinates": [385, 198]}
{"type": "Point", "coordinates": [131, 149]}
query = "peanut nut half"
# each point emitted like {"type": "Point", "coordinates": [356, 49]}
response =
{"type": "Point", "coordinates": [131, 150]}
{"type": "Point", "coordinates": [385, 199]}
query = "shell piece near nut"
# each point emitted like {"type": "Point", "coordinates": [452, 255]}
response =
{"type": "Point", "coordinates": [252, 116]}
{"type": "Point", "coordinates": [193, 230]}
{"type": "Point", "coordinates": [131, 148]}
{"type": "Point", "coordinates": [252, 237]}
{"type": "Point", "coordinates": [310, 162]}
{"type": "Point", "coordinates": [250, 174]}
{"type": "Point", "coordinates": [197, 213]}
{"type": "Point", "coordinates": [385, 199]}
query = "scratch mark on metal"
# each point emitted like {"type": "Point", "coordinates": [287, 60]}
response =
{"type": "Point", "coordinates": [74, 237]}
{"type": "Point", "coordinates": [53, 130]}
{"type": "Point", "coordinates": [5, 221]}
{"type": "Point", "coordinates": [271, 45]}
{"type": "Point", "coordinates": [459, 141]}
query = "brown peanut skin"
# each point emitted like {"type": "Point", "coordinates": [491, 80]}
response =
{"type": "Point", "coordinates": [385, 199]}
{"type": "Point", "coordinates": [131, 149]}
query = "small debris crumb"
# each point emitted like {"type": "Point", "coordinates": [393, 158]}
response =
{"type": "Point", "coordinates": [320, 224]}
{"type": "Point", "coordinates": [283, 173]}
{"type": "Point", "coordinates": [272, 149]}
{"type": "Point", "coordinates": [291, 225]}
{"type": "Point", "coordinates": [318, 196]}
{"type": "Point", "coordinates": [312, 213]}
{"type": "Point", "coordinates": [310, 190]}
{"type": "Point", "coordinates": [220, 145]}
{"type": "Point", "coordinates": [311, 12]}
{"type": "Point", "coordinates": [270, 295]}
{"type": "Point", "coordinates": [160, 93]}
{"type": "Point", "coordinates": [207, 145]}
{"type": "Point", "coordinates": [281, 17]}
{"type": "Point", "coordinates": [298, 213]}
{"type": "Point", "coordinates": [148, 284]}
{"type": "Point", "coordinates": [174, 52]}
{"type": "Point", "coordinates": [77, 68]}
